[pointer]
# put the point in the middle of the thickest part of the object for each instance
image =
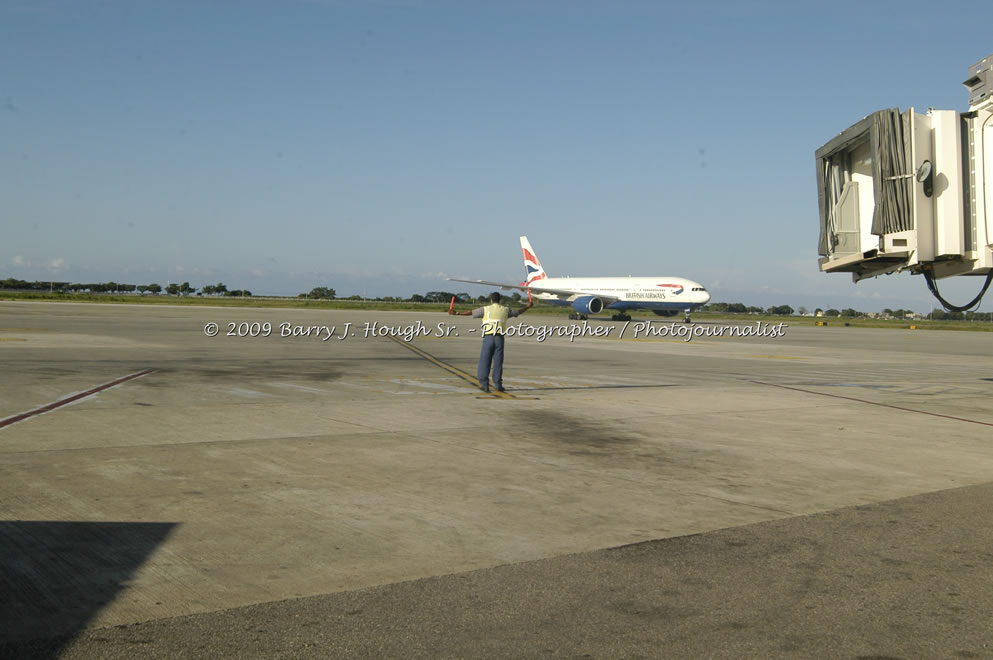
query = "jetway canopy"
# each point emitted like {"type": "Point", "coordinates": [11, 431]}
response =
{"type": "Point", "coordinates": [883, 137]}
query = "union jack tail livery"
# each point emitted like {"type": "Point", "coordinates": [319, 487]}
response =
{"type": "Point", "coordinates": [532, 267]}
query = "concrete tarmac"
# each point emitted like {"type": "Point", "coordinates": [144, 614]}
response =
{"type": "Point", "coordinates": [164, 492]}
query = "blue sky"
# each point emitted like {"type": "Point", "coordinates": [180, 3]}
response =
{"type": "Point", "coordinates": [378, 147]}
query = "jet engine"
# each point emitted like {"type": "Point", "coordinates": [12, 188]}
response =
{"type": "Point", "coordinates": [588, 305]}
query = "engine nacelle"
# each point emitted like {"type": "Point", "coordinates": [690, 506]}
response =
{"type": "Point", "coordinates": [588, 305]}
{"type": "Point", "coordinates": [666, 312]}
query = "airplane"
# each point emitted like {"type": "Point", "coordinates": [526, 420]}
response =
{"type": "Point", "coordinates": [666, 296]}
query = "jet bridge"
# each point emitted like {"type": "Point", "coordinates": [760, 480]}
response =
{"type": "Point", "coordinates": [909, 191]}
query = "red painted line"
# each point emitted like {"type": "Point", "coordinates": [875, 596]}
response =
{"type": "Point", "coordinates": [872, 403]}
{"type": "Point", "coordinates": [7, 421]}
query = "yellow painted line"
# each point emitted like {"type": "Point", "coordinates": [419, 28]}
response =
{"type": "Point", "coordinates": [449, 368]}
{"type": "Point", "coordinates": [777, 357]}
{"type": "Point", "coordinates": [23, 329]}
{"type": "Point", "coordinates": [12, 339]}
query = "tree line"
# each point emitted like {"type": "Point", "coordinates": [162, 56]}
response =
{"type": "Point", "coordinates": [327, 293]}
{"type": "Point", "coordinates": [740, 308]}
{"type": "Point", "coordinates": [184, 289]}
{"type": "Point", "coordinates": [848, 312]}
{"type": "Point", "coordinates": [942, 315]}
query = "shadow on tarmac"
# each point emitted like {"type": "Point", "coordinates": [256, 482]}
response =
{"type": "Point", "coordinates": [55, 577]}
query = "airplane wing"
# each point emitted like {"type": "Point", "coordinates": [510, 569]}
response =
{"type": "Point", "coordinates": [502, 285]}
{"type": "Point", "coordinates": [564, 294]}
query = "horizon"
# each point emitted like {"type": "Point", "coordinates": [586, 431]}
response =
{"type": "Point", "coordinates": [340, 294]}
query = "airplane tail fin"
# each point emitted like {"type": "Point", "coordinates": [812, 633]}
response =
{"type": "Point", "coordinates": [532, 267]}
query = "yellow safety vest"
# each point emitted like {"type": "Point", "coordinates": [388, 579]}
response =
{"type": "Point", "coordinates": [494, 319]}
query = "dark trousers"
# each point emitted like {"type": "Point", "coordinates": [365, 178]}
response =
{"type": "Point", "coordinates": [492, 352]}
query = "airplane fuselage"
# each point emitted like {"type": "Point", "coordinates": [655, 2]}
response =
{"type": "Point", "coordinates": [663, 293]}
{"type": "Point", "coordinates": [591, 295]}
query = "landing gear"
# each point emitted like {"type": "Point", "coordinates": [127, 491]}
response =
{"type": "Point", "coordinates": [686, 319]}
{"type": "Point", "coordinates": [620, 316]}
{"type": "Point", "coordinates": [573, 316]}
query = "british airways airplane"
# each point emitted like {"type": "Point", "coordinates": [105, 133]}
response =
{"type": "Point", "coordinates": [666, 296]}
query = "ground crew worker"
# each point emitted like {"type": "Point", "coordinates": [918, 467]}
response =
{"type": "Point", "coordinates": [494, 318]}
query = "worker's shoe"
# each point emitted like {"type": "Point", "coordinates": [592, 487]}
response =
{"type": "Point", "coordinates": [485, 388]}
{"type": "Point", "coordinates": [500, 388]}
